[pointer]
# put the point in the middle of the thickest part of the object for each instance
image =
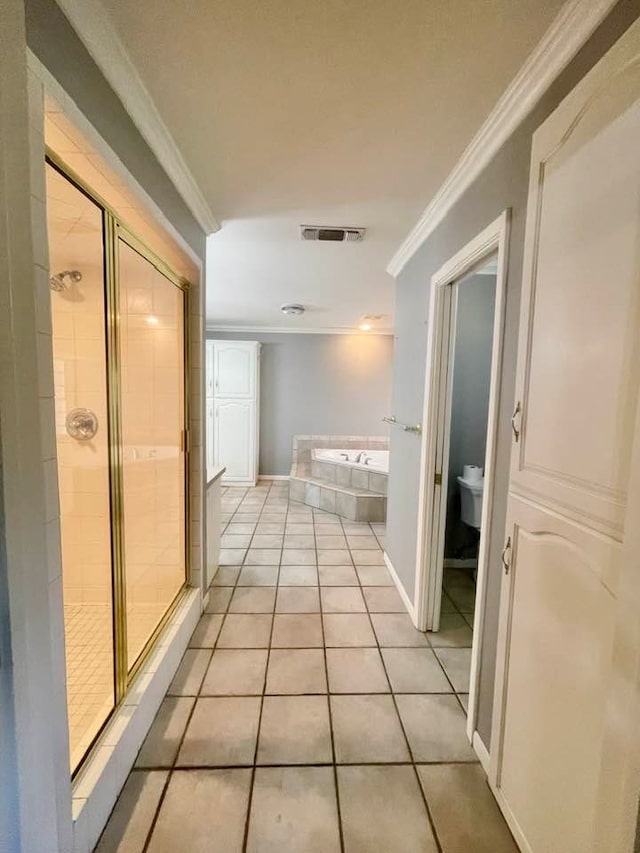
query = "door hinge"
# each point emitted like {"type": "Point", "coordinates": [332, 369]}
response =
{"type": "Point", "coordinates": [184, 441]}
{"type": "Point", "coordinates": [437, 478]}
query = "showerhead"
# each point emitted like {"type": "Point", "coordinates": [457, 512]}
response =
{"type": "Point", "coordinates": [62, 280]}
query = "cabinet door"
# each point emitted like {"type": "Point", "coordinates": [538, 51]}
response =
{"type": "Point", "coordinates": [234, 439]}
{"type": "Point", "coordinates": [567, 522]}
{"type": "Point", "coordinates": [235, 365]}
{"type": "Point", "coordinates": [209, 368]}
{"type": "Point", "coordinates": [209, 437]}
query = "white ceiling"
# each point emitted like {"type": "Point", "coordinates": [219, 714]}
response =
{"type": "Point", "coordinates": [333, 113]}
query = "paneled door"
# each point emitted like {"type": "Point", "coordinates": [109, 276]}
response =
{"type": "Point", "coordinates": [234, 438]}
{"type": "Point", "coordinates": [236, 409]}
{"type": "Point", "coordinates": [234, 369]}
{"type": "Point", "coordinates": [572, 465]}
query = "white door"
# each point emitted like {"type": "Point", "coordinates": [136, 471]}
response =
{"type": "Point", "coordinates": [234, 438]}
{"type": "Point", "coordinates": [235, 367]}
{"type": "Point", "coordinates": [577, 383]}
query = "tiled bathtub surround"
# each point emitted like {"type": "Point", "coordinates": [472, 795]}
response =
{"type": "Point", "coordinates": [309, 716]}
{"type": "Point", "coordinates": [344, 473]}
{"type": "Point", "coordinates": [304, 444]}
{"type": "Point", "coordinates": [354, 500]}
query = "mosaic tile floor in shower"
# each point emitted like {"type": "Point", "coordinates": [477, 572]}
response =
{"type": "Point", "coordinates": [89, 656]}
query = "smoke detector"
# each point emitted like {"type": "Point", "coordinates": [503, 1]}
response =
{"type": "Point", "coordinates": [332, 235]}
{"type": "Point", "coordinates": [292, 310]}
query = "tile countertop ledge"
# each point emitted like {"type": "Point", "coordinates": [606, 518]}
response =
{"type": "Point", "coordinates": [215, 475]}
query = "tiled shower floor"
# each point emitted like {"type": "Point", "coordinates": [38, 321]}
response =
{"type": "Point", "coordinates": [89, 661]}
{"type": "Point", "coordinates": [89, 645]}
{"type": "Point", "coordinates": [308, 714]}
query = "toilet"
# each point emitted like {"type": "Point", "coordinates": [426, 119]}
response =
{"type": "Point", "coordinates": [471, 489]}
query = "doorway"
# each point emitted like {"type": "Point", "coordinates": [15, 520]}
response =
{"type": "Point", "coordinates": [468, 341]}
{"type": "Point", "coordinates": [464, 357]}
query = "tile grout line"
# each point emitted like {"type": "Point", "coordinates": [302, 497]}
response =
{"type": "Point", "coordinates": [172, 767]}
{"type": "Point", "coordinates": [245, 839]}
{"type": "Point", "coordinates": [402, 727]}
{"type": "Point", "coordinates": [214, 767]}
{"type": "Point", "coordinates": [329, 708]}
{"type": "Point", "coordinates": [434, 649]}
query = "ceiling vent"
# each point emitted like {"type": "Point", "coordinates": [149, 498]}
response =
{"type": "Point", "coordinates": [332, 235]}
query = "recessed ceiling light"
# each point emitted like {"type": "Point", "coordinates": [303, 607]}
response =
{"type": "Point", "coordinates": [292, 310]}
{"type": "Point", "coordinates": [365, 327]}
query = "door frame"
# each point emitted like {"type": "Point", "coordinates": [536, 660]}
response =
{"type": "Point", "coordinates": [437, 397]}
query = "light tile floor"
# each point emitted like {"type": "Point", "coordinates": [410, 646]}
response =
{"type": "Point", "coordinates": [308, 714]}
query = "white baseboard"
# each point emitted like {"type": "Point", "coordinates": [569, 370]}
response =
{"type": "Point", "coordinates": [481, 751]}
{"type": "Point", "coordinates": [401, 590]}
{"type": "Point", "coordinates": [273, 477]}
{"type": "Point", "coordinates": [452, 563]}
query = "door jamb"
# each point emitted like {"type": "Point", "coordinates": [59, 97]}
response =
{"type": "Point", "coordinates": [495, 237]}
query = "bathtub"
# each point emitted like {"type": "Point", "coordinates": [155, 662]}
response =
{"type": "Point", "coordinates": [374, 460]}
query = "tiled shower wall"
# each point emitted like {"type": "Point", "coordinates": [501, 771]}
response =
{"type": "Point", "coordinates": [152, 407]}
{"type": "Point", "coordinates": [79, 370]}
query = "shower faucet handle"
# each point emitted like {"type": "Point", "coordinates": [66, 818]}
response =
{"type": "Point", "coordinates": [82, 424]}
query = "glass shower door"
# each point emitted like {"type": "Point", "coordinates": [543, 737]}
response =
{"type": "Point", "coordinates": [77, 288]}
{"type": "Point", "coordinates": [151, 310]}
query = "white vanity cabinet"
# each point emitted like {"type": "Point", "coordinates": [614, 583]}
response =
{"type": "Point", "coordinates": [233, 406]}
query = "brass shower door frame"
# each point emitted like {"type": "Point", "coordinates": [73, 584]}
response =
{"type": "Point", "coordinates": [115, 230]}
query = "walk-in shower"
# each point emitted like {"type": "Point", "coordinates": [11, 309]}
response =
{"type": "Point", "coordinates": [118, 327]}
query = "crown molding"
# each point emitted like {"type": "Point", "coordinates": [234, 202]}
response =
{"type": "Point", "coordinates": [571, 28]}
{"type": "Point", "coordinates": [92, 24]}
{"type": "Point", "coordinates": [287, 330]}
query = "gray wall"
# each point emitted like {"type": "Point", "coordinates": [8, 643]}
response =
{"type": "Point", "coordinates": [469, 398]}
{"type": "Point", "coordinates": [317, 385]}
{"type": "Point", "coordinates": [503, 184]}
{"type": "Point", "coordinates": [53, 40]}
